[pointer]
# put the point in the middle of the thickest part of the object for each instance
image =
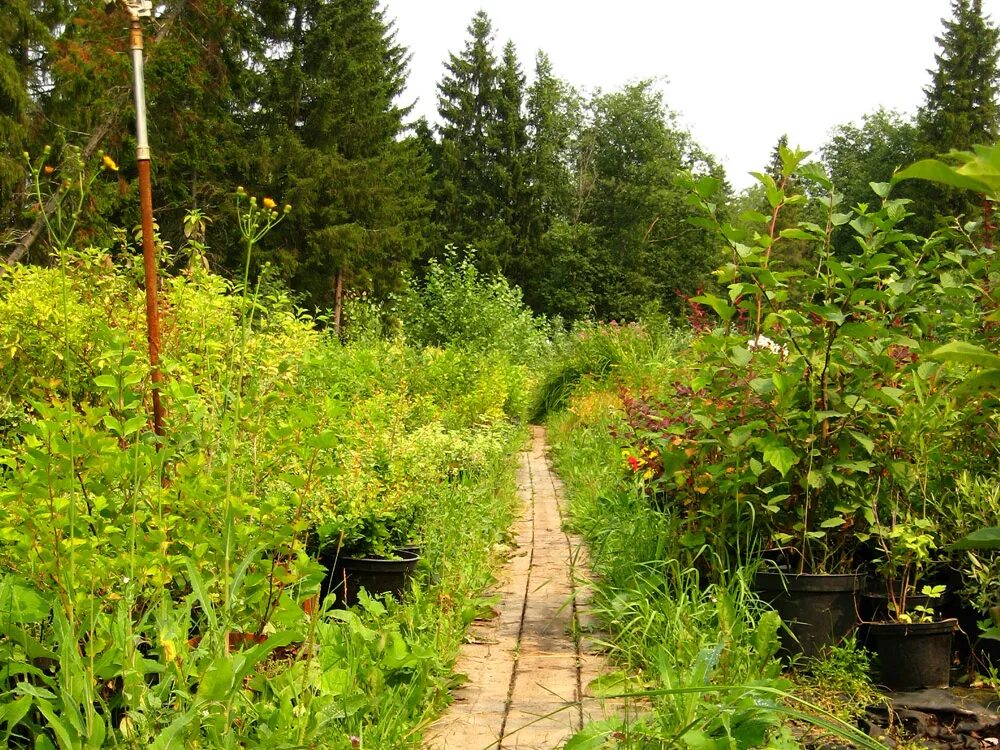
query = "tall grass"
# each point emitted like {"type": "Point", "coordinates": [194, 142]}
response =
{"type": "Point", "coordinates": [633, 352]}
{"type": "Point", "coordinates": [698, 651]}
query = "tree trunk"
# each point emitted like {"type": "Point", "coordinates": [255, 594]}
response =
{"type": "Point", "coordinates": [988, 227]}
{"type": "Point", "coordinates": [338, 300]}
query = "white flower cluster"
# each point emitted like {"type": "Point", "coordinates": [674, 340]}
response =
{"type": "Point", "coordinates": [763, 342]}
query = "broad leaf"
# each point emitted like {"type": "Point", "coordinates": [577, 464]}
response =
{"type": "Point", "coordinates": [781, 457]}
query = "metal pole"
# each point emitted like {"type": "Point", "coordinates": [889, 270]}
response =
{"type": "Point", "coordinates": [146, 208]}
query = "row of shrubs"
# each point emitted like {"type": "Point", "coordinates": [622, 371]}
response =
{"type": "Point", "coordinates": [162, 591]}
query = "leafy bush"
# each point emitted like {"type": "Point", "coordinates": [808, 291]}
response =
{"type": "Point", "coordinates": [456, 305]}
{"type": "Point", "coordinates": [125, 554]}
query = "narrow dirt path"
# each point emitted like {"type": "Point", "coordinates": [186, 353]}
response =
{"type": "Point", "coordinates": [527, 670]}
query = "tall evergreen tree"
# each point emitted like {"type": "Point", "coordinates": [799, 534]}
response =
{"type": "Point", "coordinates": [508, 137]}
{"type": "Point", "coordinates": [774, 165]}
{"type": "Point", "coordinates": [198, 58]}
{"type": "Point", "coordinates": [357, 184]}
{"type": "Point", "coordinates": [465, 184]}
{"type": "Point", "coordinates": [23, 38]}
{"type": "Point", "coordinates": [960, 107]}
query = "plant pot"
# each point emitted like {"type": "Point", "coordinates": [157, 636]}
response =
{"type": "Point", "coordinates": [819, 609]}
{"type": "Point", "coordinates": [377, 575]}
{"type": "Point", "coordinates": [914, 655]}
{"type": "Point", "coordinates": [413, 548]}
{"type": "Point", "coordinates": [875, 602]}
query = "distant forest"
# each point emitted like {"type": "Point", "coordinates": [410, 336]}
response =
{"type": "Point", "coordinates": [574, 198]}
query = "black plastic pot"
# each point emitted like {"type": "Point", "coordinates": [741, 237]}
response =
{"type": "Point", "coordinates": [913, 655]}
{"type": "Point", "coordinates": [876, 599]}
{"type": "Point", "coordinates": [410, 549]}
{"type": "Point", "coordinates": [377, 575]}
{"type": "Point", "coordinates": [819, 609]}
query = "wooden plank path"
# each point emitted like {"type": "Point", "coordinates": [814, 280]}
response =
{"type": "Point", "coordinates": [527, 671]}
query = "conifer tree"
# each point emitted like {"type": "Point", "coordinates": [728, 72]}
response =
{"type": "Point", "coordinates": [20, 31]}
{"type": "Point", "coordinates": [508, 136]}
{"type": "Point", "coordinates": [960, 107]}
{"type": "Point", "coordinates": [465, 170]}
{"type": "Point", "coordinates": [961, 102]}
{"type": "Point", "coordinates": [357, 184]}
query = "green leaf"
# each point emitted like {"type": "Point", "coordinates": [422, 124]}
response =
{"type": "Point", "coordinates": [21, 603]}
{"type": "Point", "coordinates": [169, 738]}
{"type": "Point", "coordinates": [754, 217]}
{"type": "Point", "coordinates": [781, 457]}
{"type": "Point", "coordinates": [58, 727]}
{"type": "Point", "coordinates": [981, 539]}
{"type": "Point", "coordinates": [98, 732]}
{"type": "Point", "coordinates": [881, 188]}
{"type": "Point", "coordinates": [937, 171]}
{"type": "Point", "coordinates": [702, 223]}
{"type": "Point", "coordinates": [12, 713]}
{"type": "Point", "coordinates": [707, 186]}
{"type": "Point", "coordinates": [863, 440]}
{"type": "Point", "coordinates": [722, 308]}
{"type": "Point", "coordinates": [966, 353]}
{"type": "Point", "coordinates": [134, 424]}
{"type": "Point", "coordinates": [816, 479]}
{"type": "Point", "coordinates": [594, 736]}
{"type": "Point", "coordinates": [796, 234]}
{"type": "Point", "coordinates": [740, 435]}
{"type": "Point", "coordinates": [741, 356]}
{"type": "Point", "coordinates": [217, 683]}
{"type": "Point", "coordinates": [988, 380]}
{"type": "Point", "coordinates": [692, 540]}
{"type": "Point", "coordinates": [108, 382]}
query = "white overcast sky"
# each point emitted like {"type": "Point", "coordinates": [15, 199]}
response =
{"type": "Point", "coordinates": [738, 72]}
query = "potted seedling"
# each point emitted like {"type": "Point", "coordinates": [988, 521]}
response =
{"type": "Point", "coordinates": [913, 645]}
{"type": "Point", "coordinates": [801, 378]}
{"type": "Point", "coordinates": [365, 554]}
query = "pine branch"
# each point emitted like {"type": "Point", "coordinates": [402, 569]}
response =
{"type": "Point", "coordinates": [120, 105]}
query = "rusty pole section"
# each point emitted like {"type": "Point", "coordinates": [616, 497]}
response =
{"type": "Point", "coordinates": [146, 208]}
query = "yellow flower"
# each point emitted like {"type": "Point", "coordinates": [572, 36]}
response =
{"type": "Point", "coordinates": [269, 204]}
{"type": "Point", "coordinates": [109, 163]}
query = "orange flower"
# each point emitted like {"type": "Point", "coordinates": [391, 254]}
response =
{"type": "Point", "coordinates": [48, 169]}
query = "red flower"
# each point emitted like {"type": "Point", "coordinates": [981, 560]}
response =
{"type": "Point", "coordinates": [634, 463]}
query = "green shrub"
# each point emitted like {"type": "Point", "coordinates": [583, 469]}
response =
{"type": "Point", "coordinates": [456, 305]}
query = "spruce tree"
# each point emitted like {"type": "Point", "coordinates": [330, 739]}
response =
{"type": "Point", "coordinates": [508, 137]}
{"type": "Point", "coordinates": [960, 107]}
{"type": "Point", "coordinates": [20, 32]}
{"type": "Point", "coordinates": [357, 183]}
{"type": "Point", "coordinates": [465, 184]}
{"type": "Point", "coordinates": [961, 102]}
